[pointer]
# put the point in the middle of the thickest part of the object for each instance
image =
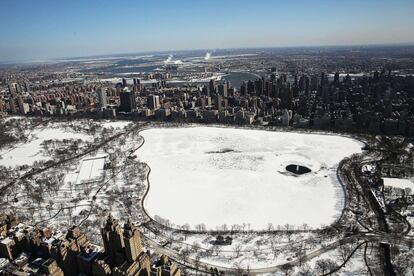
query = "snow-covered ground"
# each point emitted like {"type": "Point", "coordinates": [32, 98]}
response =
{"type": "Point", "coordinates": [216, 176]}
{"type": "Point", "coordinates": [399, 183]}
{"type": "Point", "coordinates": [29, 152]}
{"type": "Point", "coordinates": [91, 169]}
{"type": "Point", "coordinates": [63, 194]}
{"type": "Point", "coordinates": [115, 124]}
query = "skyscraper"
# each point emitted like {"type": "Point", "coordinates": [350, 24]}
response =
{"type": "Point", "coordinates": [123, 246]}
{"type": "Point", "coordinates": [336, 78]}
{"type": "Point", "coordinates": [212, 86]}
{"type": "Point", "coordinates": [124, 82]}
{"type": "Point", "coordinates": [127, 101]}
{"type": "Point", "coordinates": [137, 82]}
{"type": "Point", "coordinates": [243, 89]}
{"type": "Point", "coordinates": [101, 93]}
{"type": "Point", "coordinates": [222, 90]}
{"type": "Point", "coordinates": [132, 241]}
{"type": "Point", "coordinates": [113, 242]}
{"type": "Point", "coordinates": [12, 105]}
{"type": "Point", "coordinates": [11, 89]}
{"type": "Point", "coordinates": [23, 107]}
{"type": "Point", "coordinates": [153, 102]}
{"type": "Point", "coordinates": [258, 84]}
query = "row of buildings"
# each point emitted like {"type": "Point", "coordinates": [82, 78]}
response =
{"type": "Point", "coordinates": [30, 250]}
{"type": "Point", "coordinates": [380, 102]}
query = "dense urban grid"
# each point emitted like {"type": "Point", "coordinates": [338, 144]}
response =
{"type": "Point", "coordinates": [37, 251]}
{"type": "Point", "coordinates": [342, 89]}
{"type": "Point", "coordinates": [84, 141]}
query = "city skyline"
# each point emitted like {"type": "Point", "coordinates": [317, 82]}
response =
{"type": "Point", "coordinates": [49, 30]}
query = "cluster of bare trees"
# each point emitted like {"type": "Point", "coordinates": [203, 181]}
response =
{"type": "Point", "coordinates": [89, 127]}
{"type": "Point", "coordinates": [390, 149]}
{"type": "Point", "coordinates": [14, 131]}
{"type": "Point", "coordinates": [325, 266]}
{"type": "Point", "coordinates": [163, 221]}
{"type": "Point", "coordinates": [404, 263]}
{"type": "Point", "coordinates": [61, 149]}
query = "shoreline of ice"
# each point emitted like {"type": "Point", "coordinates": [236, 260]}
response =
{"type": "Point", "coordinates": [172, 201]}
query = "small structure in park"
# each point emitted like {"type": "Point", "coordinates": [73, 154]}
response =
{"type": "Point", "coordinates": [297, 169]}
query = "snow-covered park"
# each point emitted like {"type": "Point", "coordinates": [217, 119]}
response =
{"type": "Point", "coordinates": [216, 176]}
{"type": "Point", "coordinates": [29, 152]}
{"type": "Point", "coordinates": [65, 172]}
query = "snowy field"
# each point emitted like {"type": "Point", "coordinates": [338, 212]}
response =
{"type": "Point", "coordinates": [91, 169]}
{"type": "Point", "coordinates": [115, 124]}
{"type": "Point", "coordinates": [399, 183]}
{"type": "Point", "coordinates": [216, 176]}
{"type": "Point", "coordinates": [29, 152]}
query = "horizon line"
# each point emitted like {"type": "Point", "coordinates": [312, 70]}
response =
{"type": "Point", "coordinates": [68, 58]}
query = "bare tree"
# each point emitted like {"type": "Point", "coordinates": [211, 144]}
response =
{"type": "Point", "coordinates": [200, 227]}
{"type": "Point", "coordinates": [270, 227]}
{"type": "Point", "coordinates": [345, 250]}
{"type": "Point", "coordinates": [404, 263]}
{"type": "Point", "coordinates": [289, 235]}
{"type": "Point", "coordinates": [185, 253]}
{"type": "Point", "coordinates": [235, 227]}
{"type": "Point", "coordinates": [324, 266]}
{"type": "Point", "coordinates": [275, 249]}
{"type": "Point", "coordinates": [237, 248]}
{"type": "Point", "coordinates": [197, 264]}
{"type": "Point", "coordinates": [238, 269]}
{"type": "Point", "coordinates": [300, 251]}
{"type": "Point", "coordinates": [215, 249]}
{"type": "Point", "coordinates": [186, 228]}
{"type": "Point", "coordinates": [195, 246]}
{"type": "Point", "coordinates": [287, 269]}
{"type": "Point", "coordinates": [305, 270]}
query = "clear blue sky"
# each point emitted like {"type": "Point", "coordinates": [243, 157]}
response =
{"type": "Point", "coordinates": [39, 29]}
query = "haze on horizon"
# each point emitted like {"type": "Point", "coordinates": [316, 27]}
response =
{"type": "Point", "coordinates": [52, 29]}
